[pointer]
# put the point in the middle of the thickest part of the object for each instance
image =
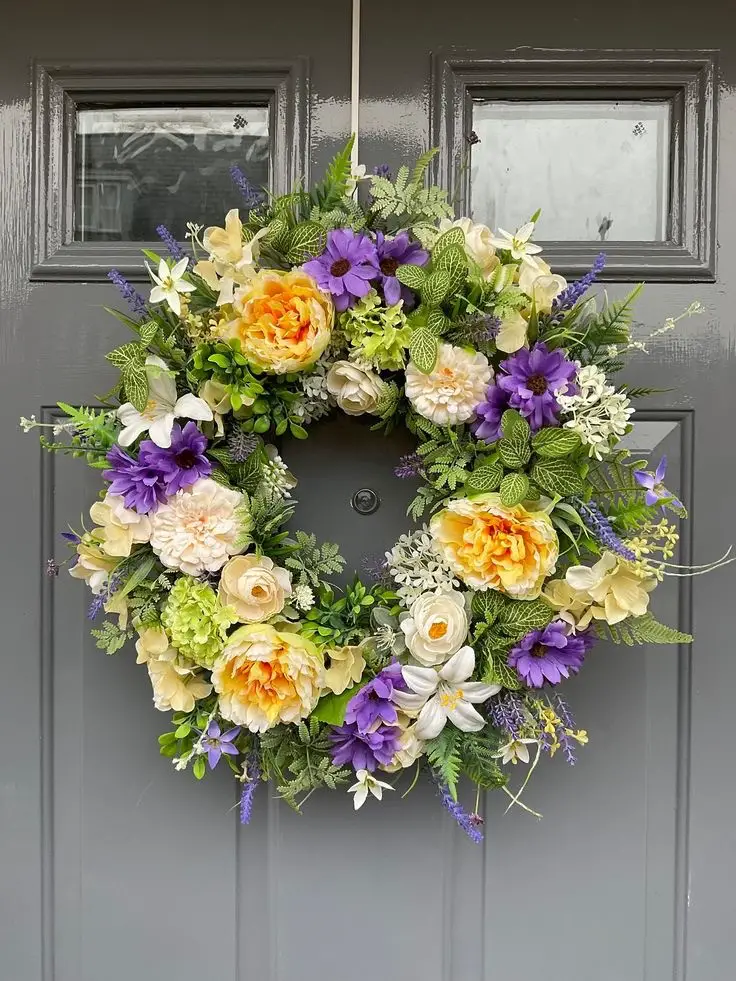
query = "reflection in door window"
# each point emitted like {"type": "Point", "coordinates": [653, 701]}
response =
{"type": "Point", "coordinates": [138, 168]}
{"type": "Point", "coordinates": [601, 169]}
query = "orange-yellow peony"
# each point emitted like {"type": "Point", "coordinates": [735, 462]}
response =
{"type": "Point", "coordinates": [265, 676]}
{"type": "Point", "coordinates": [490, 546]}
{"type": "Point", "coordinates": [283, 321]}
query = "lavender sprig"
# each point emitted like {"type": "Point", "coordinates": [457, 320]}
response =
{"type": "Point", "coordinates": [410, 466]}
{"type": "Point", "coordinates": [251, 195]}
{"type": "Point", "coordinates": [570, 296]}
{"type": "Point", "coordinates": [99, 601]}
{"type": "Point", "coordinates": [174, 249]}
{"type": "Point", "coordinates": [382, 170]}
{"type": "Point", "coordinates": [249, 789]}
{"type": "Point", "coordinates": [129, 293]}
{"type": "Point", "coordinates": [506, 712]}
{"type": "Point", "coordinates": [468, 822]}
{"type": "Point", "coordinates": [600, 527]}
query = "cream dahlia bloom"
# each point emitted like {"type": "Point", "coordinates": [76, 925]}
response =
{"type": "Point", "coordinates": [490, 546]}
{"type": "Point", "coordinates": [436, 627]}
{"type": "Point", "coordinates": [254, 587]}
{"type": "Point", "coordinates": [265, 676]}
{"type": "Point", "coordinates": [478, 244]}
{"type": "Point", "coordinates": [450, 392]}
{"type": "Point", "coordinates": [356, 390]}
{"type": "Point", "coordinates": [120, 527]}
{"type": "Point", "coordinates": [196, 530]}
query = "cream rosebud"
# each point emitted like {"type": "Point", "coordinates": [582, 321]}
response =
{"type": "Point", "coordinates": [356, 390]}
{"type": "Point", "coordinates": [254, 587]}
{"type": "Point", "coordinates": [436, 627]}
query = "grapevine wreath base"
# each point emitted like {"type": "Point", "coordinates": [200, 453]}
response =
{"type": "Point", "coordinates": [533, 532]}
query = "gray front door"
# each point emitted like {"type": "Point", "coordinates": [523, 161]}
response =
{"type": "Point", "coordinates": [116, 867]}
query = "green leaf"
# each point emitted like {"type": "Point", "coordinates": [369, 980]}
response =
{"type": "Point", "coordinates": [498, 672]}
{"type": "Point", "coordinates": [437, 322]}
{"type": "Point", "coordinates": [412, 276]}
{"type": "Point", "coordinates": [487, 605]}
{"type": "Point", "coordinates": [277, 235]}
{"type": "Point", "coordinates": [198, 769]}
{"type": "Point", "coordinates": [555, 443]}
{"type": "Point", "coordinates": [521, 616]}
{"type": "Point", "coordinates": [148, 331]}
{"type": "Point", "coordinates": [512, 421]}
{"type": "Point", "coordinates": [453, 261]}
{"type": "Point", "coordinates": [557, 477]}
{"type": "Point", "coordinates": [423, 349]}
{"type": "Point", "coordinates": [330, 192]}
{"type": "Point", "coordinates": [443, 753]}
{"type": "Point", "coordinates": [135, 383]}
{"type": "Point", "coordinates": [514, 487]}
{"type": "Point", "coordinates": [139, 573]}
{"type": "Point", "coordinates": [514, 450]}
{"type": "Point", "coordinates": [452, 238]}
{"type": "Point", "coordinates": [131, 353]}
{"type": "Point", "coordinates": [436, 288]}
{"type": "Point", "coordinates": [485, 478]}
{"type": "Point", "coordinates": [331, 708]}
{"type": "Point", "coordinates": [183, 731]}
{"type": "Point", "coordinates": [646, 630]}
{"type": "Point", "coordinates": [305, 241]}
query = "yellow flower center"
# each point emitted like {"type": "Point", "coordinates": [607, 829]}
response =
{"type": "Point", "coordinates": [258, 591]}
{"type": "Point", "coordinates": [150, 410]}
{"type": "Point", "coordinates": [449, 699]}
{"type": "Point", "coordinates": [438, 629]}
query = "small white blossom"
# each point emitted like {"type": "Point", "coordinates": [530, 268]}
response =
{"type": "Point", "coordinates": [303, 597]}
{"type": "Point", "coordinates": [276, 476]}
{"type": "Point", "coordinates": [316, 401]}
{"type": "Point", "coordinates": [417, 568]}
{"type": "Point", "coordinates": [598, 411]}
{"type": "Point", "coordinates": [365, 783]}
{"type": "Point", "coordinates": [28, 424]}
{"type": "Point", "coordinates": [170, 284]}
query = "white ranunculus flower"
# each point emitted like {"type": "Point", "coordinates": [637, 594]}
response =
{"type": "Point", "coordinates": [196, 530]}
{"type": "Point", "coordinates": [450, 392]}
{"type": "Point", "coordinates": [478, 244]}
{"type": "Point", "coordinates": [162, 409]}
{"type": "Point", "coordinates": [254, 587]}
{"type": "Point", "coordinates": [436, 627]}
{"type": "Point", "coordinates": [120, 527]}
{"type": "Point", "coordinates": [541, 285]}
{"type": "Point", "coordinates": [356, 390]}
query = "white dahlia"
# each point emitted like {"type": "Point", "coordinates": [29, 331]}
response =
{"type": "Point", "coordinates": [449, 394]}
{"type": "Point", "coordinates": [196, 530]}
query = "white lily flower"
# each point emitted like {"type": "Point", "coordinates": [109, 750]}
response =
{"type": "Point", "coordinates": [515, 750]}
{"type": "Point", "coordinates": [444, 694]}
{"type": "Point", "coordinates": [518, 244]}
{"type": "Point", "coordinates": [162, 408]}
{"type": "Point", "coordinates": [170, 283]}
{"type": "Point", "coordinates": [366, 783]}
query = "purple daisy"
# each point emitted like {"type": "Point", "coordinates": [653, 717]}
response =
{"type": "Point", "coordinates": [182, 463]}
{"type": "Point", "coordinates": [532, 378]}
{"type": "Point", "coordinates": [550, 654]}
{"type": "Point", "coordinates": [373, 702]}
{"type": "Point", "coordinates": [364, 750]}
{"type": "Point", "coordinates": [346, 267]}
{"type": "Point", "coordinates": [217, 742]}
{"type": "Point", "coordinates": [487, 425]}
{"type": "Point", "coordinates": [137, 483]}
{"type": "Point", "coordinates": [392, 253]}
{"type": "Point", "coordinates": [653, 483]}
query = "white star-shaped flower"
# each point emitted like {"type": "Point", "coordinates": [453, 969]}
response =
{"type": "Point", "coordinates": [366, 783]}
{"type": "Point", "coordinates": [170, 283]}
{"type": "Point", "coordinates": [518, 244]}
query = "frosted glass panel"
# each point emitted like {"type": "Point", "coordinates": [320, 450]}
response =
{"type": "Point", "coordinates": [599, 170]}
{"type": "Point", "coordinates": [137, 168]}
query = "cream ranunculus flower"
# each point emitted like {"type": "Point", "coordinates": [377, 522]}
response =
{"type": "Point", "coordinates": [120, 527]}
{"type": "Point", "coordinates": [478, 245]}
{"type": "Point", "coordinates": [92, 564]}
{"type": "Point", "coordinates": [610, 590]}
{"type": "Point", "coordinates": [356, 390]}
{"type": "Point", "coordinates": [449, 394]}
{"type": "Point", "coordinates": [541, 285]}
{"type": "Point", "coordinates": [490, 546]}
{"type": "Point", "coordinates": [436, 627]}
{"type": "Point", "coordinates": [346, 668]}
{"type": "Point", "coordinates": [197, 530]}
{"type": "Point", "coordinates": [265, 676]}
{"type": "Point", "coordinates": [254, 587]}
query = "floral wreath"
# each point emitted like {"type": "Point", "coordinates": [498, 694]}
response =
{"type": "Point", "coordinates": [543, 533]}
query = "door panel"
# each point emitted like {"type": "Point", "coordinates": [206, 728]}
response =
{"type": "Point", "coordinates": [629, 874]}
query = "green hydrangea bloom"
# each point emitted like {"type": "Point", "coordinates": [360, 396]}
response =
{"type": "Point", "coordinates": [377, 334]}
{"type": "Point", "coordinates": [195, 620]}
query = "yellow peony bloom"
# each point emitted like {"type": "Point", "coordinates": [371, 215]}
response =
{"type": "Point", "coordinates": [283, 321]}
{"type": "Point", "coordinates": [490, 546]}
{"type": "Point", "coordinates": [610, 590]}
{"type": "Point", "coordinates": [265, 676]}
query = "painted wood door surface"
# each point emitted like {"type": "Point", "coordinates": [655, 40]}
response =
{"type": "Point", "coordinates": [115, 867]}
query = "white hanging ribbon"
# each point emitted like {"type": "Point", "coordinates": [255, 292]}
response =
{"type": "Point", "coordinates": [355, 82]}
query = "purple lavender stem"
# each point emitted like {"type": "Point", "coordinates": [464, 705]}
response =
{"type": "Point", "coordinates": [249, 789]}
{"type": "Point", "coordinates": [129, 293]}
{"type": "Point", "coordinates": [251, 195]}
{"type": "Point", "coordinates": [175, 250]}
{"type": "Point", "coordinates": [461, 816]}
{"type": "Point", "coordinates": [600, 526]}
{"type": "Point", "coordinates": [570, 296]}
{"type": "Point", "coordinates": [506, 713]}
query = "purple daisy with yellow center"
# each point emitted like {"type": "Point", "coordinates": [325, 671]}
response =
{"type": "Point", "coordinates": [550, 654]}
{"type": "Point", "coordinates": [346, 267]}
